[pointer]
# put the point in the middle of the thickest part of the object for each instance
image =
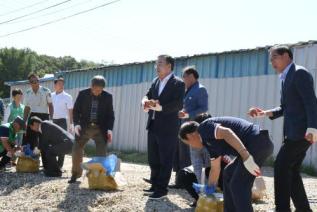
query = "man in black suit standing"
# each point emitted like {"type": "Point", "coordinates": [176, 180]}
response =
{"type": "Point", "coordinates": [299, 108]}
{"type": "Point", "coordinates": [162, 102]}
{"type": "Point", "coordinates": [93, 118]}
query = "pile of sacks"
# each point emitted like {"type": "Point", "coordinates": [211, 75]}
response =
{"type": "Point", "coordinates": [28, 160]}
{"type": "Point", "coordinates": [103, 173]}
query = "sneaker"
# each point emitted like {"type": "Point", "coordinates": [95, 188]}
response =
{"type": "Point", "coordinates": [72, 179]}
{"type": "Point", "coordinates": [175, 186]}
{"type": "Point", "coordinates": [193, 204]}
{"type": "Point", "coordinates": [157, 196]}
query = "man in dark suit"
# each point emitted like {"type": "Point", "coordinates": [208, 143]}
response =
{"type": "Point", "coordinates": [93, 118]}
{"type": "Point", "coordinates": [299, 108]}
{"type": "Point", "coordinates": [163, 101]}
{"type": "Point", "coordinates": [53, 141]}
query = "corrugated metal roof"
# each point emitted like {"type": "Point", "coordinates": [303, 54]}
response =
{"type": "Point", "coordinates": [186, 60]}
{"type": "Point", "coordinates": [302, 43]}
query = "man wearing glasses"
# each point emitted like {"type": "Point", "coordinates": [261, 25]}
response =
{"type": "Point", "coordinates": [38, 103]}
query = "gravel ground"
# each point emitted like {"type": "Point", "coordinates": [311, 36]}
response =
{"type": "Point", "coordinates": [35, 192]}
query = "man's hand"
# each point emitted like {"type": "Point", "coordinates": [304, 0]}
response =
{"type": "Point", "coordinates": [256, 112]}
{"type": "Point", "coordinates": [10, 154]}
{"type": "Point", "coordinates": [311, 135]}
{"type": "Point", "coordinates": [77, 130]}
{"type": "Point", "coordinates": [251, 166]}
{"type": "Point", "coordinates": [147, 104]}
{"type": "Point", "coordinates": [155, 105]}
{"type": "Point", "coordinates": [71, 129]}
{"type": "Point", "coordinates": [109, 136]}
{"type": "Point", "coordinates": [183, 115]}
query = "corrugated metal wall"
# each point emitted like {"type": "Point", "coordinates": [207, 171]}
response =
{"type": "Point", "coordinates": [235, 81]}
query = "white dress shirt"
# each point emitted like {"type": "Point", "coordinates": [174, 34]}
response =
{"type": "Point", "coordinates": [62, 103]}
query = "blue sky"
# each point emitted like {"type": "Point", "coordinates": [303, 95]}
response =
{"type": "Point", "coordinates": [139, 30]}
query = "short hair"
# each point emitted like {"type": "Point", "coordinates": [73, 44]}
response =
{"type": "Point", "coordinates": [202, 117]}
{"type": "Point", "coordinates": [191, 70]}
{"type": "Point", "coordinates": [187, 128]}
{"type": "Point", "coordinates": [59, 78]}
{"type": "Point", "coordinates": [31, 75]}
{"type": "Point", "coordinates": [35, 119]}
{"type": "Point", "coordinates": [98, 81]}
{"type": "Point", "coordinates": [282, 49]}
{"type": "Point", "coordinates": [16, 91]}
{"type": "Point", "coordinates": [168, 59]}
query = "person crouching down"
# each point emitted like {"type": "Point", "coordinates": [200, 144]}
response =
{"type": "Point", "coordinates": [8, 137]}
{"type": "Point", "coordinates": [53, 141]}
{"type": "Point", "coordinates": [231, 136]}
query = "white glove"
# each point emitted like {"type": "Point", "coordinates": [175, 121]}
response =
{"type": "Point", "coordinates": [251, 166]}
{"type": "Point", "coordinates": [77, 130]}
{"type": "Point", "coordinates": [157, 107]}
{"type": "Point", "coordinates": [313, 132]}
{"type": "Point", "coordinates": [36, 151]}
{"type": "Point", "coordinates": [18, 154]}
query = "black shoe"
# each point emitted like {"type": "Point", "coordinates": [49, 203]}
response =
{"type": "Point", "coordinates": [147, 180]}
{"type": "Point", "coordinates": [52, 174]}
{"type": "Point", "coordinates": [150, 190]}
{"type": "Point", "coordinates": [157, 196]}
{"type": "Point", "coordinates": [175, 186]}
{"type": "Point", "coordinates": [72, 179]}
{"type": "Point", "coordinates": [193, 204]}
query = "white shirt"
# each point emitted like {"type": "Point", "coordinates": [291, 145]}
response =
{"type": "Point", "coordinates": [38, 102]}
{"type": "Point", "coordinates": [163, 82]}
{"type": "Point", "coordinates": [62, 103]}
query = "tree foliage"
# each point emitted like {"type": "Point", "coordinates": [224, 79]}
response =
{"type": "Point", "coordinates": [16, 64]}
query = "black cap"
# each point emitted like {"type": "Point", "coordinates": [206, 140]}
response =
{"type": "Point", "coordinates": [20, 121]}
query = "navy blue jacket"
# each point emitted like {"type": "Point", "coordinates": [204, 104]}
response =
{"type": "Point", "coordinates": [196, 100]}
{"type": "Point", "coordinates": [171, 100]}
{"type": "Point", "coordinates": [298, 103]}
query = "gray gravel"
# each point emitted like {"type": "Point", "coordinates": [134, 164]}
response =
{"type": "Point", "coordinates": [35, 192]}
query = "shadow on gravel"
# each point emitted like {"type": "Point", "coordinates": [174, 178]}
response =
{"type": "Point", "coordinates": [164, 205]}
{"type": "Point", "coordinates": [11, 180]}
{"type": "Point", "coordinates": [80, 199]}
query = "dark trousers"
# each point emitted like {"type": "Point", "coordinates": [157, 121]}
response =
{"type": "Point", "coordinates": [238, 181]}
{"type": "Point", "coordinates": [161, 149]}
{"type": "Point", "coordinates": [181, 157]}
{"type": "Point", "coordinates": [4, 159]}
{"type": "Point", "coordinates": [52, 151]}
{"type": "Point", "coordinates": [32, 137]}
{"type": "Point", "coordinates": [63, 124]}
{"type": "Point", "coordinates": [287, 180]}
